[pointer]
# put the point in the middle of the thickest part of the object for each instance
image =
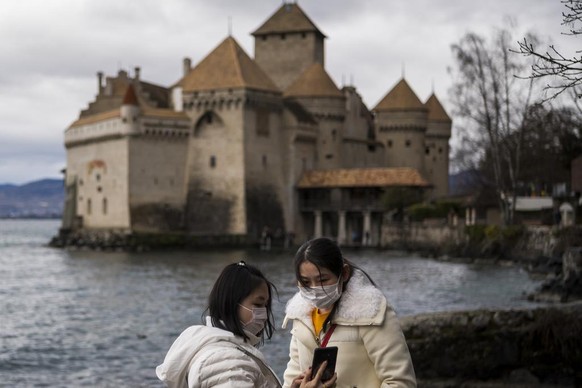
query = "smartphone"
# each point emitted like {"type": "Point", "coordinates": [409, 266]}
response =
{"type": "Point", "coordinates": [320, 355]}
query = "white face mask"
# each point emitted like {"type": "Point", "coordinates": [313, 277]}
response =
{"type": "Point", "coordinates": [322, 297]}
{"type": "Point", "coordinates": [257, 322]}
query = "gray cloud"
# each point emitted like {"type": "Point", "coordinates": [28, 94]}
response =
{"type": "Point", "coordinates": [51, 51]}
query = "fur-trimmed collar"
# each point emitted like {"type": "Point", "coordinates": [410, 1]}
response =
{"type": "Point", "coordinates": [361, 304]}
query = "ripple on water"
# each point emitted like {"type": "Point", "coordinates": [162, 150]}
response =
{"type": "Point", "coordinates": [107, 319]}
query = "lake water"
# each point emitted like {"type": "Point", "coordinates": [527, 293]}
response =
{"type": "Point", "coordinates": [80, 318]}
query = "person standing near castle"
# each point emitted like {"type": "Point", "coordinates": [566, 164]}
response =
{"type": "Point", "coordinates": [223, 352]}
{"type": "Point", "coordinates": [340, 305]}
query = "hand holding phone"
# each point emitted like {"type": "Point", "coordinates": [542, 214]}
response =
{"type": "Point", "coordinates": [320, 355]}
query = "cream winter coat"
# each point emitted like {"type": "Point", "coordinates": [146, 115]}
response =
{"type": "Point", "coordinates": [206, 356]}
{"type": "Point", "coordinates": [372, 349]}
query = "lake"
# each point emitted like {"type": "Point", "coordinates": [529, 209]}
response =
{"type": "Point", "coordinates": [106, 319]}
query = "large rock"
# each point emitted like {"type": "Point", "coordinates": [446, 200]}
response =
{"type": "Point", "coordinates": [567, 285]}
{"type": "Point", "coordinates": [541, 346]}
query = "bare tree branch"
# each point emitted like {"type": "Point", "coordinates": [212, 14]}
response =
{"type": "Point", "coordinates": [566, 73]}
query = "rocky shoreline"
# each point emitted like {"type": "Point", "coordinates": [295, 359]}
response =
{"type": "Point", "coordinates": [496, 348]}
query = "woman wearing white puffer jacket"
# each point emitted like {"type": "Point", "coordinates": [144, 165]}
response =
{"type": "Point", "coordinates": [339, 304]}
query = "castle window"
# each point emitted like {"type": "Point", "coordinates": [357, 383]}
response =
{"type": "Point", "coordinates": [303, 35]}
{"type": "Point", "coordinates": [124, 120]}
{"type": "Point", "coordinates": [407, 143]}
{"type": "Point", "coordinates": [262, 122]}
{"type": "Point", "coordinates": [333, 134]}
{"type": "Point", "coordinates": [98, 177]}
{"type": "Point", "coordinates": [99, 189]}
{"type": "Point", "coordinates": [265, 160]}
{"type": "Point", "coordinates": [427, 150]}
{"type": "Point", "coordinates": [440, 150]}
{"type": "Point", "coordinates": [264, 37]}
{"type": "Point", "coordinates": [104, 205]}
{"type": "Point", "coordinates": [389, 143]}
{"type": "Point", "coordinates": [283, 36]}
{"type": "Point", "coordinates": [89, 206]}
{"type": "Point", "coordinates": [329, 156]}
{"type": "Point", "coordinates": [80, 182]}
{"type": "Point", "coordinates": [213, 161]}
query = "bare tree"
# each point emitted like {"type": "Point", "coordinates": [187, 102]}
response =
{"type": "Point", "coordinates": [492, 105]}
{"type": "Point", "coordinates": [567, 72]}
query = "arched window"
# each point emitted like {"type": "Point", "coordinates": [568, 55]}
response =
{"type": "Point", "coordinates": [104, 205]}
{"type": "Point", "coordinates": [89, 206]}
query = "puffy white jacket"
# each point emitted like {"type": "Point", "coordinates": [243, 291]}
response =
{"type": "Point", "coordinates": [372, 351]}
{"type": "Point", "coordinates": [206, 356]}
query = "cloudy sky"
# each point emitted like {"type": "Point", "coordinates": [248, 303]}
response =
{"type": "Point", "coordinates": [51, 50]}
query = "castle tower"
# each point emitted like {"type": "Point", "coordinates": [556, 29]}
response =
{"type": "Point", "coordinates": [401, 123]}
{"type": "Point", "coordinates": [437, 147]}
{"type": "Point", "coordinates": [287, 44]}
{"type": "Point", "coordinates": [130, 111]}
{"type": "Point", "coordinates": [234, 158]}
{"type": "Point", "coordinates": [316, 92]}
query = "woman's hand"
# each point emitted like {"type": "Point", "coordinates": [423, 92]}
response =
{"type": "Point", "coordinates": [305, 381]}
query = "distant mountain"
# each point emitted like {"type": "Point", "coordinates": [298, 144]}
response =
{"type": "Point", "coordinates": [39, 199]}
{"type": "Point", "coordinates": [465, 182]}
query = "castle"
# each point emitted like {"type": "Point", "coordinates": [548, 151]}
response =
{"type": "Point", "coordinates": [240, 145]}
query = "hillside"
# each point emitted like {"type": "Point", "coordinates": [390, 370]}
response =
{"type": "Point", "coordinates": [39, 199]}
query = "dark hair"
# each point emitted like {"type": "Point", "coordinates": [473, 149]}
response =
{"type": "Point", "coordinates": [235, 283]}
{"type": "Point", "coordinates": [325, 253]}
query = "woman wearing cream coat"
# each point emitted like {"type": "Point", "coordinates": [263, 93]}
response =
{"type": "Point", "coordinates": [372, 348]}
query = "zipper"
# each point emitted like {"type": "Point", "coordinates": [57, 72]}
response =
{"type": "Point", "coordinates": [315, 336]}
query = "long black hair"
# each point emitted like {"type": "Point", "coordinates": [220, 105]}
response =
{"type": "Point", "coordinates": [325, 253]}
{"type": "Point", "coordinates": [235, 283]}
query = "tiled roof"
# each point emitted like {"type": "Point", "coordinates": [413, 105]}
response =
{"type": "Point", "coordinates": [227, 66]}
{"type": "Point", "coordinates": [92, 119]}
{"type": "Point", "coordinates": [288, 18]}
{"type": "Point", "coordinates": [362, 177]}
{"type": "Point", "coordinates": [164, 113]}
{"type": "Point", "coordinates": [436, 112]}
{"type": "Point", "coordinates": [130, 98]}
{"type": "Point", "coordinates": [401, 97]}
{"type": "Point", "coordinates": [313, 82]}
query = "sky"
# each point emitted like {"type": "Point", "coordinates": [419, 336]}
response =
{"type": "Point", "coordinates": [51, 50]}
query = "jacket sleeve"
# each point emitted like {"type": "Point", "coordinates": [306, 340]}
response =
{"type": "Point", "coordinates": [387, 349]}
{"type": "Point", "coordinates": [224, 367]}
{"type": "Point", "coordinates": [293, 370]}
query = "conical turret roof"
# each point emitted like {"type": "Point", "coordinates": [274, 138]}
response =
{"type": "Point", "coordinates": [313, 82]}
{"type": "Point", "coordinates": [227, 66]}
{"type": "Point", "coordinates": [288, 18]}
{"type": "Point", "coordinates": [130, 97]}
{"type": "Point", "coordinates": [401, 97]}
{"type": "Point", "coordinates": [436, 112]}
